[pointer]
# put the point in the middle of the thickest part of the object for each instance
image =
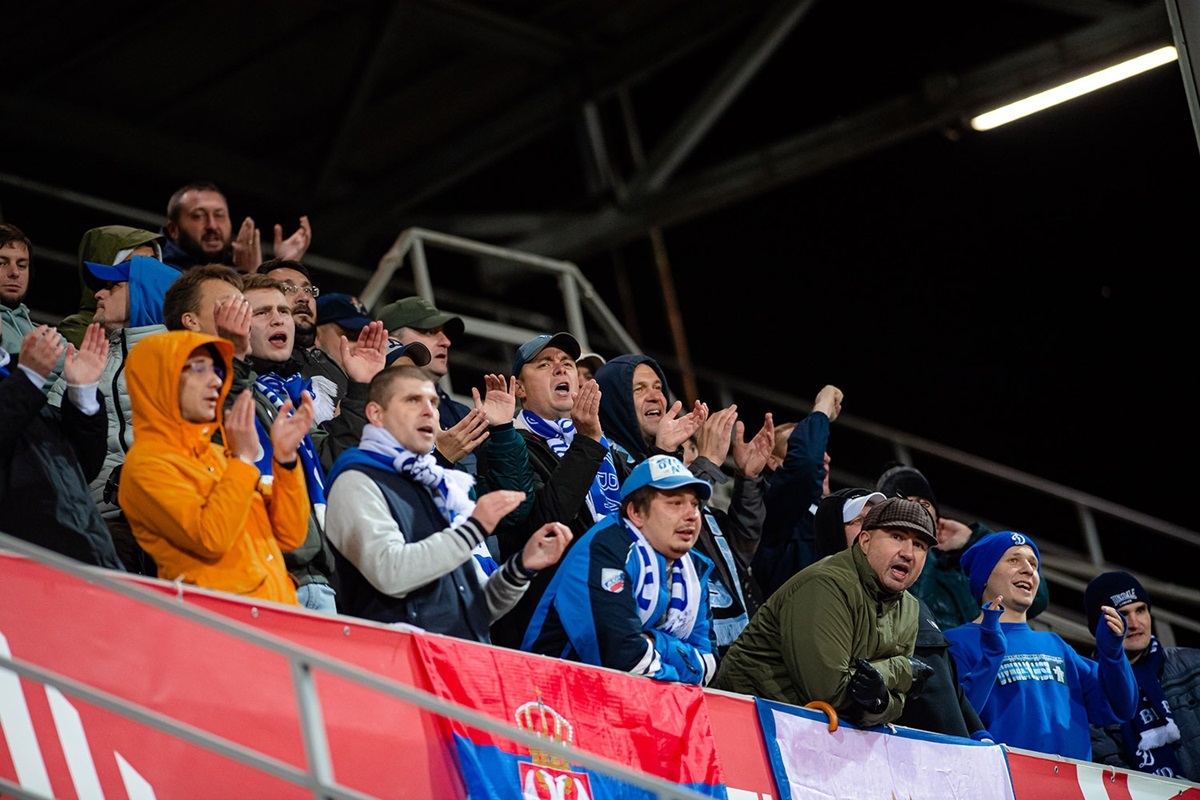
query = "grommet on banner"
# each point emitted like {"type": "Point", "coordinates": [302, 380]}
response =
{"type": "Point", "coordinates": [828, 710]}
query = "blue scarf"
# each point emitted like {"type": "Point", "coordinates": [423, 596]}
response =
{"type": "Point", "coordinates": [4, 363]}
{"type": "Point", "coordinates": [277, 390]}
{"type": "Point", "coordinates": [682, 609]}
{"type": "Point", "coordinates": [1151, 732]}
{"type": "Point", "coordinates": [604, 497]}
{"type": "Point", "coordinates": [450, 488]}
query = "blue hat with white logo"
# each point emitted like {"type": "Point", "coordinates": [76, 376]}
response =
{"type": "Point", "coordinates": [981, 558]}
{"type": "Point", "coordinates": [663, 472]}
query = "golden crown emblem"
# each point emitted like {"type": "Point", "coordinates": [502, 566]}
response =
{"type": "Point", "coordinates": [542, 720]}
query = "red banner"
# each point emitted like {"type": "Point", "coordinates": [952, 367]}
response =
{"type": "Point", "coordinates": [627, 719]}
{"type": "Point", "coordinates": [54, 743]}
{"type": "Point", "coordinates": [1036, 777]}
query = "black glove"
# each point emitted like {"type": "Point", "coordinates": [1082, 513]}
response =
{"type": "Point", "coordinates": [921, 672]}
{"type": "Point", "coordinates": [867, 688]}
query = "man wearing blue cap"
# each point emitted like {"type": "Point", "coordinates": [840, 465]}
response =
{"type": "Point", "coordinates": [342, 316]}
{"type": "Point", "coordinates": [129, 305]}
{"type": "Point", "coordinates": [1031, 688]}
{"type": "Point", "coordinates": [631, 595]}
{"type": "Point", "coordinates": [572, 475]}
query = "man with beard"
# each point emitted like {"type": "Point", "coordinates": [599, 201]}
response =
{"type": "Point", "coordinates": [199, 231]}
{"type": "Point", "coordinates": [15, 323]}
{"type": "Point", "coordinates": [316, 364]}
{"type": "Point", "coordinates": [842, 630]}
{"type": "Point", "coordinates": [276, 379]}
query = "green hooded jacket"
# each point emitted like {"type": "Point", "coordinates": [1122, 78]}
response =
{"type": "Point", "coordinates": [108, 244]}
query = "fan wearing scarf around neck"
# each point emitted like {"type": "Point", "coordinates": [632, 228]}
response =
{"type": "Point", "coordinates": [639, 417]}
{"type": "Point", "coordinates": [277, 380]}
{"type": "Point", "coordinates": [407, 535]}
{"type": "Point", "coordinates": [1163, 738]}
{"type": "Point", "coordinates": [576, 474]}
{"type": "Point", "coordinates": [632, 594]}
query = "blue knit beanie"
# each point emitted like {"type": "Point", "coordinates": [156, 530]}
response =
{"type": "Point", "coordinates": [981, 557]}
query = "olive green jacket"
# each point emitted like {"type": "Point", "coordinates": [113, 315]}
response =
{"type": "Point", "coordinates": [802, 644]}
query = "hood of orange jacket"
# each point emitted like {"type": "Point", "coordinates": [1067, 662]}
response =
{"type": "Point", "coordinates": [152, 375]}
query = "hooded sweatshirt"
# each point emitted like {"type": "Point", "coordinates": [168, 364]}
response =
{"type": "Point", "coordinates": [108, 244]}
{"type": "Point", "coordinates": [148, 282]}
{"type": "Point", "coordinates": [618, 415]}
{"type": "Point", "coordinates": [200, 513]}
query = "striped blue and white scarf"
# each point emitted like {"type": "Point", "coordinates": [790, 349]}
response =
{"type": "Point", "coordinates": [604, 497]}
{"type": "Point", "coordinates": [672, 609]}
{"type": "Point", "coordinates": [450, 488]}
{"type": "Point", "coordinates": [278, 389]}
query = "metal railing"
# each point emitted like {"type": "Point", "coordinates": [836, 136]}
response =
{"type": "Point", "coordinates": [317, 775]}
{"type": "Point", "coordinates": [584, 314]}
{"type": "Point", "coordinates": [1067, 559]}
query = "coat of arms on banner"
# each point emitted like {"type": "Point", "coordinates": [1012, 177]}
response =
{"type": "Point", "coordinates": [548, 776]}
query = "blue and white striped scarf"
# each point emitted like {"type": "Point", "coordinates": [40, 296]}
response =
{"type": "Point", "coordinates": [277, 390]}
{"type": "Point", "coordinates": [604, 497]}
{"type": "Point", "coordinates": [676, 615]}
{"type": "Point", "coordinates": [450, 488]}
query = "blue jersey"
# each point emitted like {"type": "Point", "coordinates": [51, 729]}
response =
{"type": "Point", "coordinates": [614, 604]}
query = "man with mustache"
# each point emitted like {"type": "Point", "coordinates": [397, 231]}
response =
{"type": "Point", "coordinates": [199, 230]}
{"type": "Point", "coordinates": [842, 630]}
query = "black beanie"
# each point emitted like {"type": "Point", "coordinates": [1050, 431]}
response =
{"type": "Point", "coordinates": [829, 527]}
{"type": "Point", "coordinates": [1114, 589]}
{"type": "Point", "coordinates": [901, 480]}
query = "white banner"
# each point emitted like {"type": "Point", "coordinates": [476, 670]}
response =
{"type": "Point", "coordinates": [810, 763]}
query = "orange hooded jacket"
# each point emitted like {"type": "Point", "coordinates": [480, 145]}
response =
{"type": "Point", "coordinates": [199, 513]}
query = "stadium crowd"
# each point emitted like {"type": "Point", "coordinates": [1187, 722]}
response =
{"type": "Point", "coordinates": [211, 417]}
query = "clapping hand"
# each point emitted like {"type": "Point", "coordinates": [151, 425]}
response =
{"type": "Point", "coordinates": [367, 357]}
{"type": "Point", "coordinates": [84, 366]}
{"type": "Point", "coordinates": [750, 458]}
{"type": "Point", "coordinates": [295, 246]}
{"type": "Point", "coordinates": [40, 350]}
{"type": "Point", "coordinates": [289, 429]}
{"type": "Point", "coordinates": [499, 401]}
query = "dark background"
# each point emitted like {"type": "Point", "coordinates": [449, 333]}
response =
{"type": "Point", "coordinates": [1024, 295]}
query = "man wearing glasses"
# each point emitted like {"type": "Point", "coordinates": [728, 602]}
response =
{"type": "Point", "coordinates": [316, 364]}
{"type": "Point", "coordinates": [197, 507]}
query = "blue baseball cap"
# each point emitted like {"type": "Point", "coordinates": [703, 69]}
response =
{"type": "Point", "coordinates": [343, 309]}
{"type": "Point", "coordinates": [663, 472]}
{"type": "Point", "coordinates": [418, 352]}
{"type": "Point", "coordinates": [563, 341]}
{"type": "Point", "coordinates": [96, 276]}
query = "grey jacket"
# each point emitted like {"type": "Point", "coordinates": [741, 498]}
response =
{"type": "Point", "coordinates": [1180, 680]}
